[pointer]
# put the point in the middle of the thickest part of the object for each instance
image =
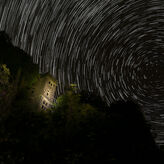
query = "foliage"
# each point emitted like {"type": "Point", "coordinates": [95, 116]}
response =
{"type": "Point", "coordinates": [6, 87]}
{"type": "Point", "coordinates": [4, 75]}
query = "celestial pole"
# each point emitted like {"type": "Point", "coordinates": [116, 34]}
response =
{"type": "Point", "coordinates": [112, 47]}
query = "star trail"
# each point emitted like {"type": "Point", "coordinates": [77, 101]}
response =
{"type": "Point", "coordinates": [112, 47]}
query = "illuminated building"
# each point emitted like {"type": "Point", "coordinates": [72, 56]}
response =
{"type": "Point", "coordinates": [47, 97]}
{"type": "Point", "coordinates": [43, 92]}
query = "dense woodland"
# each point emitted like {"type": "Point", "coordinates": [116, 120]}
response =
{"type": "Point", "coordinates": [79, 129]}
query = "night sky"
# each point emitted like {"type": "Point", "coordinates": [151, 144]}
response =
{"type": "Point", "coordinates": [112, 47]}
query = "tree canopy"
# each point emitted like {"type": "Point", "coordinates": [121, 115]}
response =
{"type": "Point", "coordinates": [4, 74]}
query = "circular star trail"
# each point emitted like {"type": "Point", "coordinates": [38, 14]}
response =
{"type": "Point", "coordinates": [112, 47]}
